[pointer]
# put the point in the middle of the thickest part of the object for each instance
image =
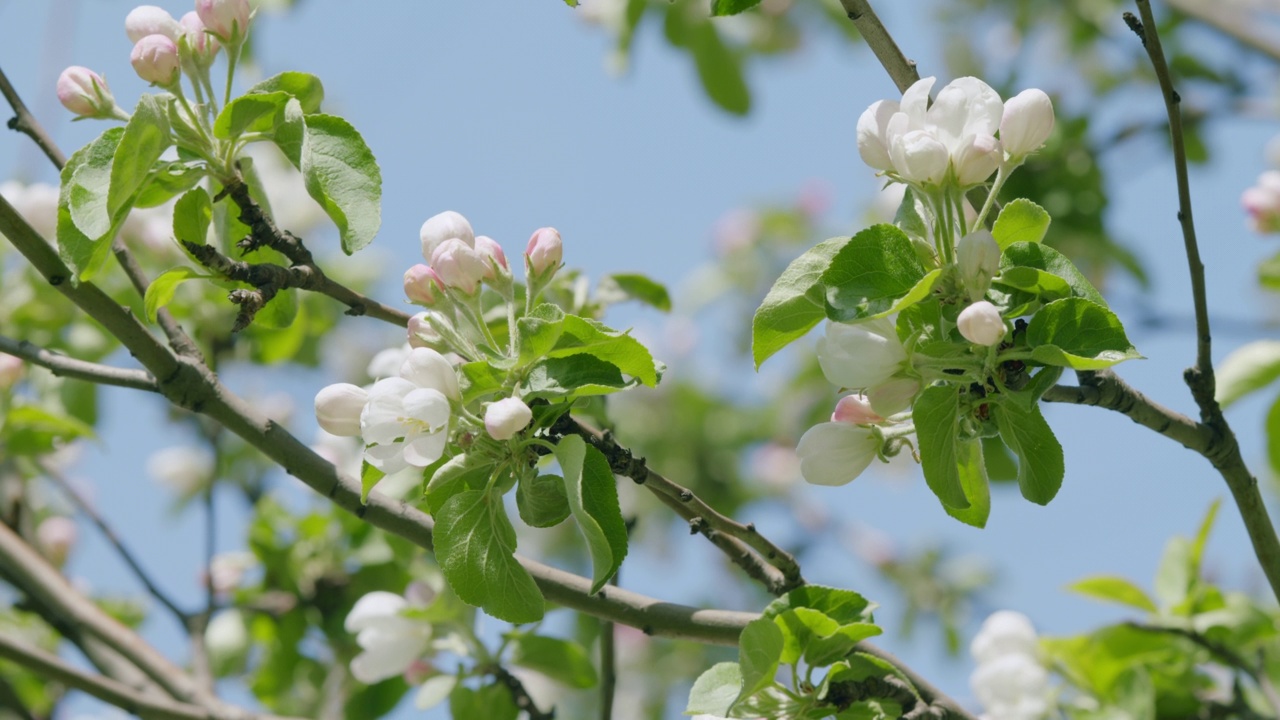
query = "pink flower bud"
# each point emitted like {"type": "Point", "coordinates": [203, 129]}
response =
{"type": "Point", "coordinates": [11, 368]}
{"type": "Point", "coordinates": [459, 265]}
{"type": "Point", "coordinates": [155, 59]}
{"type": "Point", "coordinates": [338, 408]}
{"type": "Point", "coordinates": [55, 536]}
{"type": "Point", "coordinates": [981, 324]}
{"type": "Point", "coordinates": [505, 418]}
{"type": "Point", "coordinates": [422, 333]}
{"type": "Point", "coordinates": [147, 20]}
{"type": "Point", "coordinates": [85, 93]}
{"type": "Point", "coordinates": [203, 45]}
{"type": "Point", "coordinates": [422, 285]}
{"type": "Point", "coordinates": [855, 409]}
{"type": "Point", "coordinates": [228, 19]}
{"type": "Point", "coordinates": [1262, 202]}
{"type": "Point", "coordinates": [444, 226]}
{"type": "Point", "coordinates": [489, 249]}
{"type": "Point", "coordinates": [544, 251]}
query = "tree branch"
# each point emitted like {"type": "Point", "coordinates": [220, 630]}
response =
{"type": "Point", "coordinates": [1224, 655]}
{"type": "Point", "coordinates": [521, 697]}
{"type": "Point", "coordinates": [110, 691]}
{"type": "Point", "coordinates": [64, 366]}
{"type": "Point", "coordinates": [1225, 454]}
{"type": "Point", "coordinates": [901, 69]}
{"type": "Point", "coordinates": [24, 122]}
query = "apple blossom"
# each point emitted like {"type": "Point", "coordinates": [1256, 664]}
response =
{"type": "Point", "coordinates": [1004, 632]}
{"type": "Point", "coordinates": [981, 324]}
{"type": "Point", "coordinates": [147, 20]}
{"type": "Point", "coordinates": [226, 637]}
{"type": "Point", "coordinates": [183, 468]}
{"type": "Point", "coordinates": [861, 355]}
{"type": "Point", "coordinates": [155, 59]}
{"type": "Point", "coordinates": [422, 285]}
{"type": "Point", "coordinates": [919, 157]}
{"type": "Point", "coordinates": [443, 226]}
{"type": "Point", "coordinates": [893, 396]}
{"type": "Point", "coordinates": [226, 570]}
{"type": "Point", "coordinates": [203, 45]}
{"type": "Point", "coordinates": [338, 408]}
{"type": "Point", "coordinates": [506, 417]}
{"type": "Point", "coordinates": [11, 369]}
{"type": "Point", "coordinates": [228, 19]}
{"type": "Point", "coordinates": [1026, 123]}
{"type": "Point", "coordinates": [855, 409]}
{"type": "Point", "coordinates": [55, 536]}
{"type": "Point", "coordinates": [491, 251]}
{"type": "Point", "coordinates": [544, 252]}
{"type": "Point", "coordinates": [834, 453]}
{"type": "Point", "coordinates": [976, 159]}
{"type": "Point", "coordinates": [460, 266]}
{"type": "Point", "coordinates": [406, 420]}
{"type": "Point", "coordinates": [389, 641]}
{"type": "Point", "coordinates": [421, 332]}
{"type": "Point", "coordinates": [386, 363]}
{"type": "Point", "coordinates": [873, 145]}
{"type": "Point", "coordinates": [1013, 687]}
{"type": "Point", "coordinates": [85, 93]}
{"type": "Point", "coordinates": [978, 256]}
{"type": "Point", "coordinates": [1262, 202]}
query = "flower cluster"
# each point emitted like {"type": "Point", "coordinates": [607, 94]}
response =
{"type": "Point", "coordinates": [1009, 681]}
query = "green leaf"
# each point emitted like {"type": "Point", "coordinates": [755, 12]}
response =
{"type": "Point", "coordinates": [620, 287]}
{"type": "Point", "coordinates": [549, 332]}
{"type": "Point", "coordinates": [1269, 273]}
{"type": "Point", "coordinates": [592, 493]}
{"type": "Point", "coordinates": [875, 268]}
{"type": "Point", "coordinates": [475, 545]}
{"type": "Point", "coordinates": [369, 476]}
{"type": "Point", "coordinates": [29, 430]}
{"type": "Point", "coordinates": [842, 606]}
{"type": "Point", "coordinates": [1247, 369]}
{"type": "Point", "coordinates": [479, 379]}
{"type": "Point", "coordinates": [491, 702]}
{"type": "Point", "coordinates": [192, 215]}
{"type": "Point", "coordinates": [1040, 463]}
{"type": "Point", "coordinates": [542, 501]}
{"type": "Point", "coordinates": [253, 113]}
{"type": "Point", "coordinates": [1020, 221]}
{"type": "Point", "coordinates": [1043, 257]}
{"type": "Point", "coordinates": [305, 87]}
{"type": "Point", "coordinates": [168, 180]}
{"type": "Point", "coordinates": [1078, 334]}
{"type": "Point", "coordinates": [160, 291]}
{"type": "Point", "coordinates": [1114, 589]}
{"type": "Point", "coordinates": [937, 416]}
{"type": "Point", "coordinates": [719, 68]}
{"type": "Point", "coordinates": [561, 660]}
{"type": "Point", "coordinates": [1041, 283]}
{"type": "Point", "coordinates": [973, 479]}
{"type": "Point", "coordinates": [146, 137]}
{"type": "Point", "coordinates": [85, 180]}
{"type": "Point", "coordinates": [341, 174]}
{"type": "Point", "coordinates": [291, 133]}
{"type": "Point", "coordinates": [795, 303]}
{"type": "Point", "coordinates": [573, 377]}
{"type": "Point", "coordinates": [715, 690]}
{"type": "Point", "coordinates": [1202, 536]}
{"type": "Point", "coordinates": [1273, 436]}
{"type": "Point", "coordinates": [280, 312]}
{"type": "Point", "coordinates": [732, 7]}
{"type": "Point", "coordinates": [918, 292]}
{"type": "Point", "coordinates": [446, 478]}
{"type": "Point", "coordinates": [1174, 576]}
{"type": "Point", "coordinates": [759, 650]}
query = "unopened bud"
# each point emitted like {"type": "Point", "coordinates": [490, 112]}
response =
{"type": "Point", "coordinates": [422, 285]}
{"type": "Point", "coordinates": [56, 535]}
{"type": "Point", "coordinates": [544, 251]}
{"type": "Point", "coordinates": [981, 324]}
{"type": "Point", "coordinates": [491, 251]}
{"type": "Point", "coordinates": [422, 334]}
{"type": "Point", "coordinates": [155, 59]}
{"type": "Point", "coordinates": [978, 255]}
{"type": "Point", "coordinates": [443, 226]}
{"type": "Point", "coordinates": [459, 265]}
{"type": "Point", "coordinates": [505, 418]}
{"type": "Point", "coordinates": [203, 46]}
{"type": "Point", "coordinates": [1027, 122]}
{"type": "Point", "coordinates": [338, 408]}
{"type": "Point", "coordinates": [976, 160]}
{"type": "Point", "coordinates": [11, 369]}
{"type": "Point", "coordinates": [855, 409]}
{"type": "Point", "coordinates": [228, 19]}
{"type": "Point", "coordinates": [147, 20]}
{"type": "Point", "coordinates": [85, 93]}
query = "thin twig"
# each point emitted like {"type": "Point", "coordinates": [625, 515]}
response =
{"type": "Point", "coordinates": [24, 122]}
{"type": "Point", "coordinates": [63, 366]}
{"type": "Point", "coordinates": [86, 509]}
{"type": "Point", "coordinates": [1225, 655]}
{"type": "Point", "coordinates": [521, 697]}
{"type": "Point", "coordinates": [1225, 453]}
{"type": "Point", "coordinates": [901, 69]}
{"type": "Point", "coordinates": [110, 691]}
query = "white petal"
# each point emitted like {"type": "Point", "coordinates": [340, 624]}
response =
{"type": "Point", "coordinates": [835, 453]}
{"type": "Point", "coordinates": [434, 691]}
{"type": "Point", "coordinates": [872, 140]}
{"type": "Point", "coordinates": [915, 101]}
{"type": "Point", "coordinates": [429, 406]}
{"type": "Point", "coordinates": [373, 605]}
{"type": "Point", "coordinates": [424, 449]}
{"type": "Point", "coordinates": [862, 355]}
{"type": "Point", "coordinates": [966, 106]}
{"type": "Point", "coordinates": [427, 368]}
{"type": "Point", "coordinates": [388, 458]}
{"type": "Point", "coordinates": [386, 660]}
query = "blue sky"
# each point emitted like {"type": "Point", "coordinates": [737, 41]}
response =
{"type": "Point", "coordinates": [504, 112]}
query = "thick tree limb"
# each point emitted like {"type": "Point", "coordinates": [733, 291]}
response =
{"type": "Point", "coordinates": [64, 366]}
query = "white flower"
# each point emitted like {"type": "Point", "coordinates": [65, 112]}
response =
{"type": "Point", "coordinates": [226, 570]}
{"type": "Point", "coordinates": [338, 408]}
{"type": "Point", "coordinates": [1027, 122]}
{"type": "Point", "coordinates": [226, 637]}
{"type": "Point", "coordinates": [873, 144]}
{"type": "Point", "coordinates": [893, 396]}
{"type": "Point", "coordinates": [506, 417]}
{"type": "Point", "coordinates": [387, 362]}
{"type": "Point", "coordinates": [861, 355]}
{"type": "Point", "coordinates": [980, 323]}
{"type": "Point", "coordinates": [406, 420]}
{"type": "Point", "coordinates": [147, 20]}
{"type": "Point", "coordinates": [1004, 632]}
{"type": "Point", "coordinates": [835, 453]}
{"type": "Point", "coordinates": [1012, 687]}
{"type": "Point", "coordinates": [55, 536]}
{"type": "Point", "coordinates": [389, 641]}
{"type": "Point", "coordinates": [978, 256]}
{"type": "Point", "coordinates": [183, 469]}
{"type": "Point", "coordinates": [460, 265]}
{"type": "Point", "coordinates": [444, 226]}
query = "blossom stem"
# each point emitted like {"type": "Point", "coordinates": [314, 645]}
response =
{"type": "Point", "coordinates": [1001, 175]}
